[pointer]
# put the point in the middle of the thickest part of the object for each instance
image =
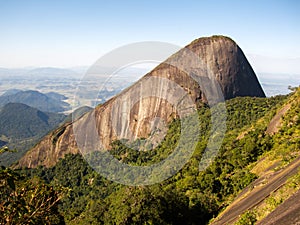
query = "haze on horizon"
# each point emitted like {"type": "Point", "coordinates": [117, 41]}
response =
{"type": "Point", "coordinates": [76, 33]}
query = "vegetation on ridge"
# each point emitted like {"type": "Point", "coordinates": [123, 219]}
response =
{"type": "Point", "coordinates": [25, 200]}
{"type": "Point", "coordinates": [190, 196]}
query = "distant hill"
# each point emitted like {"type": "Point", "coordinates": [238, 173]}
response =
{"type": "Point", "coordinates": [77, 114]}
{"type": "Point", "coordinates": [56, 96]}
{"type": "Point", "coordinates": [51, 72]}
{"type": "Point", "coordinates": [43, 72]}
{"type": "Point", "coordinates": [18, 120]}
{"type": "Point", "coordinates": [21, 125]}
{"type": "Point", "coordinates": [51, 102]}
{"type": "Point", "coordinates": [11, 92]}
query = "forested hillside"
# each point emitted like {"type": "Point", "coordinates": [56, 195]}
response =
{"type": "Point", "coordinates": [21, 126]}
{"type": "Point", "coordinates": [191, 196]}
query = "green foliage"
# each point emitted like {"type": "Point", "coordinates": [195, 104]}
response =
{"type": "Point", "coordinates": [131, 156]}
{"type": "Point", "coordinates": [86, 187]}
{"type": "Point", "coordinates": [27, 201]}
{"type": "Point", "coordinates": [242, 111]}
{"type": "Point", "coordinates": [128, 205]}
{"type": "Point", "coordinates": [248, 218]}
{"type": "Point", "coordinates": [190, 196]}
{"type": "Point", "coordinates": [288, 138]}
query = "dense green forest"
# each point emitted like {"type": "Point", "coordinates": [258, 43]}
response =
{"type": "Point", "coordinates": [21, 126]}
{"type": "Point", "coordinates": [191, 196]}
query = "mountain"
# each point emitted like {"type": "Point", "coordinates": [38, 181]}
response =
{"type": "Point", "coordinates": [21, 126]}
{"type": "Point", "coordinates": [191, 68]}
{"type": "Point", "coordinates": [45, 102]}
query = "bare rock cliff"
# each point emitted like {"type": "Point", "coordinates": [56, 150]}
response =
{"type": "Point", "coordinates": [161, 88]}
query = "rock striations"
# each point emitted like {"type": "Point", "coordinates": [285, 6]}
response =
{"type": "Point", "coordinates": [219, 55]}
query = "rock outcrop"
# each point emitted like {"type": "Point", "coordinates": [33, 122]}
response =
{"type": "Point", "coordinates": [179, 79]}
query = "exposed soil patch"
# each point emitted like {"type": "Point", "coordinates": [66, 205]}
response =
{"type": "Point", "coordinates": [287, 213]}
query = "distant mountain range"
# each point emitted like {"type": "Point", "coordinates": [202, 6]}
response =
{"type": "Point", "coordinates": [51, 71]}
{"type": "Point", "coordinates": [42, 72]}
{"type": "Point", "coordinates": [50, 102]}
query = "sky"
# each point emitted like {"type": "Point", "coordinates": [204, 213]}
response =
{"type": "Point", "coordinates": [57, 33]}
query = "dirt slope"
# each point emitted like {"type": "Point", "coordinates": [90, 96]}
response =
{"type": "Point", "coordinates": [287, 213]}
{"type": "Point", "coordinates": [260, 191]}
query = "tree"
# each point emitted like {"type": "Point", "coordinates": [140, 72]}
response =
{"type": "Point", "coordinates": [27, 201]}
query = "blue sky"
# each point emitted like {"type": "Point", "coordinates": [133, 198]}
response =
{"type": "Point", "coordinates": [75, 33]}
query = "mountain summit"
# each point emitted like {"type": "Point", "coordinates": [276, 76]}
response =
{"type": "Point", "coordinates": [221, 60]}
{"type": "Point", "coordinates": [229, 66]}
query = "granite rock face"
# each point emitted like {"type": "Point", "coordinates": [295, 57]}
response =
{"type": "Point", "coordinates": [180, 84]}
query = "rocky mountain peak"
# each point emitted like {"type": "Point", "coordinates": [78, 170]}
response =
{"type": "Point", "coordinates": [220, 59]}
